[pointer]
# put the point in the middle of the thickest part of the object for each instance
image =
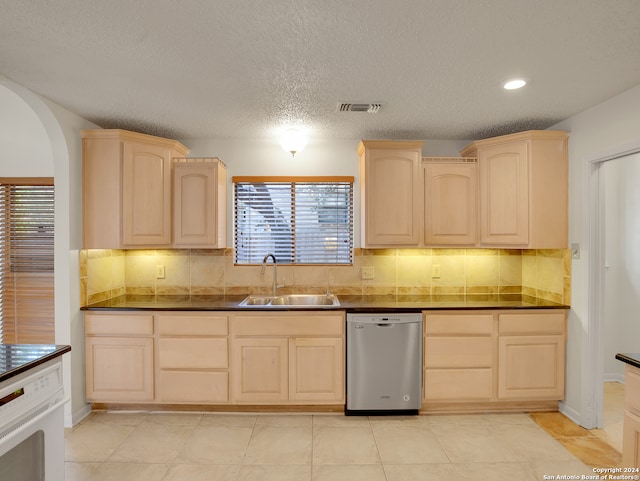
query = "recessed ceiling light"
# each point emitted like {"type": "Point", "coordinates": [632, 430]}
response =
{"type": "Point", "coordinates": [514, 84]}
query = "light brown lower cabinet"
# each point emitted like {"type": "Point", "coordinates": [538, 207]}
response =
{"type": "Point", "coordinates": [288, 358]}
{"type": "Point", "coordinates": [631, 423]}
{"type": "Point", "coordinates": [493, 360]}
{"type": "Point", "coordinates": [193, 358]}
{"type": "Point", "coordinates": [631, 440]}
{"type": "Point", "coordinates": [119, 358]}
{"type": "Point", "coordinates": [175, 357]}
{"type": "Point", "coordinates": [458, 356]}
{"type": "Point", "coordinates": [531, 355]}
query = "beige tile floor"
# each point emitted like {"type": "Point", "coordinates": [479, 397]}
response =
{"type": "Point", "coordinates": [320, 447]}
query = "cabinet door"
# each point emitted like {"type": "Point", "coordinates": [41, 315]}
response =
{"type": "Point", "coordinates": [504, 194]}
{"type": "Point", "coordinates": [392, 197]}
{"type": "Point", "coordinates": [450, 204]}
{"type": "Point", "coordinates": [101, 193]}
{"type": "Point", "coordinates": [316, 370]}
{"type": "Point", "coordinates": [146, 201]}
{"type": "Point", "coordinates": [198, 219]}
{"type": "Point", "coordinates": [631, 440]}
{"type": "Point", "coordinates": [119, 369]}
{"type": "Point", "coordinates": [531, 367]}
{"type": "Point", "coordinates": [260, 370]}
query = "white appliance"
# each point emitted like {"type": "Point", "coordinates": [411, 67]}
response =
{"type": "Point", "coordinates": [384, 363]}
{"type": "Point", "coordinates": [32, 425]}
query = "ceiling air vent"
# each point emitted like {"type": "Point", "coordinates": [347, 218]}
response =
{"type": "Point", "coordinates": [369, 108]}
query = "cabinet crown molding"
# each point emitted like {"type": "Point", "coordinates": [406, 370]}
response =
{"type": "Point", "coordinates": [469, 150]}
{"type": "Point", "coordinates": [389, 144]}
{"type": "Point", "coordinates": [120, 134]}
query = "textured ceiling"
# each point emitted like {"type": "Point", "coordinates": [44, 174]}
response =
{"type": "Point", "coordinates": [248, 68]}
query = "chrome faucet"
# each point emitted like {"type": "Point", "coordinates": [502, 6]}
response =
{"type": "Point", "coordinates": [275, 272]}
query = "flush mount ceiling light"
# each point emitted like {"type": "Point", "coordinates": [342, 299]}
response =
{"type": "Point", "coordinates": [514, 84]}
{"type": "Point", "coordinates": [293, 140]}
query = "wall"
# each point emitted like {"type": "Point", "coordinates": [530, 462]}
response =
{"type": "Point", "coordinates": [622, 274]}
{"type": "Point", "coordinates": [605, 129]}
{"type": "Point", "coordinates": [26, 149]}
{"type": "Point", "coordinates": [48, 144]}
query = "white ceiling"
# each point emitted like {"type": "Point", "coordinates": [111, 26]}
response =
{"type": "Point", "coordinates": [247, 68]}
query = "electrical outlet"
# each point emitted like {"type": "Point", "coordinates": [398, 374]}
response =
{"type": "Point", "coordinates": [160, 272]}
{"type": "Point", "coordinates": [435, 271]}
{"type": "Point", "coordinates": [368, 273]}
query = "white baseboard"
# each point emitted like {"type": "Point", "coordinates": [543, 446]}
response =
{"type": "Point", "coordinates": [613, 377]}
{"type": "Point", "coordinates": [79, 415]}
{"type": "Point", "coordinates": [569, 412]}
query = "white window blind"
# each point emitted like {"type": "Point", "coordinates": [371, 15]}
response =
{"type": "Point", "coordinates": [26, 263]}
{"type": "Point", "coordinates": [300, 220]}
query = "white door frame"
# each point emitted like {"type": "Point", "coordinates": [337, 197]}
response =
{"type": "Point", "coordinates": [593, 355]}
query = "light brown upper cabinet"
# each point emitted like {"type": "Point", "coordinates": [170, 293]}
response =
{"type": "Point", "coordinates": [523, 189]}
{"type": "Point", "coordinates": [391, 193]}
{"type": "Point", "coordinates": [199, 203]}
{"type": "Point", "coordinates": [126, 193]}
{"type": "Point", "coordinates": [450, 201]}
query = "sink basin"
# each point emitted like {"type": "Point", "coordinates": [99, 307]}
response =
{"type": "Point", "coordinates": [306, 300]}
{"type": "Point", "coordinates": [292, 300]}
{"type": "Point", "coordinates": [256, 301]}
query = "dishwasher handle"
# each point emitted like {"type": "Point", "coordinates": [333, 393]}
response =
{"type": "Point", "coordinates": [384, 324]}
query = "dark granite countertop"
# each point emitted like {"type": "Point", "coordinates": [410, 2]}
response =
{"type": "Point", "coordinates": [18, 358]}
{"type": "Point", "coordinates": [632, 359]}
{"type": "Point", "coordinates": [348, 303]}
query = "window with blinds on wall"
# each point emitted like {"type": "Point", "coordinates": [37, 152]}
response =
{"type": "Point", "coordinates": [26, 261]}
{"type": "Point", "coordinates": [307, 220]}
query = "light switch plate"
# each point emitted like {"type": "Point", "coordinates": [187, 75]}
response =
{"type": "Point", "coordinates": [575, 251]}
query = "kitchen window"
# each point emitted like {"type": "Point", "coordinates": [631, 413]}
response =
{"type": "Point", "coordinates": [301, 220]}
{"type": "Point", "coordinates": [26, 261]}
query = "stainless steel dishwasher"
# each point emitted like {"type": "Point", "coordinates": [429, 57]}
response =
{"type": "Point", "coordinates": [384, 363]}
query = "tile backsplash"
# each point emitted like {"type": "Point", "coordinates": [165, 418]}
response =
{"type": "Point", "coordinates": [545, 274]}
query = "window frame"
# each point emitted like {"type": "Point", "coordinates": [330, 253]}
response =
{"type": "Point", "coordinates": [293, 180]}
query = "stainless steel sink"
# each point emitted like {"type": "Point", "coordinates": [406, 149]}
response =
{"type": "Point", "coordinates": [256, 301]}
{"type": "Point", "coordinates": [308, 301]}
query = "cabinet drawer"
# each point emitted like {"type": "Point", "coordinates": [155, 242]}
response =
{"type": "Point", "coordinates": [114, 325]}
{"type": "Point", "coordinates": [458, 352]}
{"type": "Point", "coordinates": [286, 324]}
{"type": "Point", "coordinates": [458, 324]}
{"type": "Point", "coordinates": [538, 323]}
{"type": "Point", "coordinates": [192, 325]}
{"type": "Point", "coordinates": [632, 390]}
{"type": "Point", "coordinates": [193, 386]}
{"type": "Point", "coordinates": [458, 384]}
{"type": "Point", "coordinates": [179, 353]}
